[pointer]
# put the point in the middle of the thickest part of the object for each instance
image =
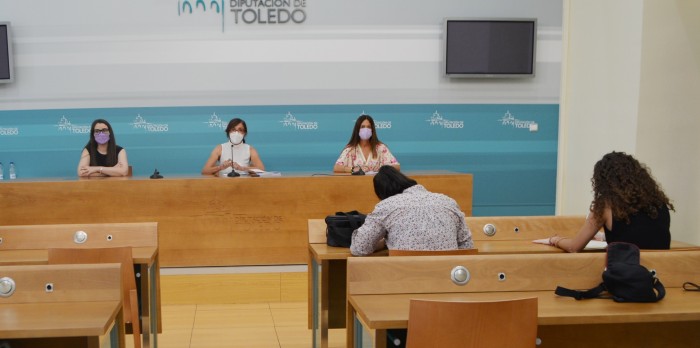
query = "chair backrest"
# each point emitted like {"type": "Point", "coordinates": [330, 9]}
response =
{"type": "Point", "coordinates": [510, 323]}
{"type": "Point", "coordinates": [433, 252]}
{"type": "Point", "coordinates": [523, 227]}
{"type": "Point", "coordinates": [130, 172]}
{"type": "Point", "coordinates": [102, 235]}
{"type": "Point", "coordinates": [121, 255]}
{"type": "Point", "coordinates": [317, 231]}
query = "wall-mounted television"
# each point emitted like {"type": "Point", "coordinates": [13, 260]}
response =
{"type": "Point", "coordinates": [6, 65]}
{"type": "Point", "coordinates": [485, 48]}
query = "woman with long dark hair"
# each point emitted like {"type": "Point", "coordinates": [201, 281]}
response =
{"type": "Point", "coordinates": [627, 203]}
{"type": "Point", "coordinates": [364, 150]}
{"type": "Point", "coordinates": [101, 155]}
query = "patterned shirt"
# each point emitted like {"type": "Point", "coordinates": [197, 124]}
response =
{"type": "Point", "coordinates": [351, 157]}
{"type": "Point", "coordinates": [416, 219]}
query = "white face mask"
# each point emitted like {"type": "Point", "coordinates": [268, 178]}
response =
{"type": "Point", "coordinates": [236, 137]}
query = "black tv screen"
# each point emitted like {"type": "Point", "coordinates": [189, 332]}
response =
{"type": "Point", "coordinates": [489, 47]}
{"type": "Point", "coordinates": [6, 66]}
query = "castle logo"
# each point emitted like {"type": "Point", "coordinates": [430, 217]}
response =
{"type": "Point", "coordinates": [140, 123]}
{"type": "Point", "coordinates": [290, 121]}
{"type": "Point", "coordinates": [65, 125]}
{"type": "Point", "coordinates": [437, 120]}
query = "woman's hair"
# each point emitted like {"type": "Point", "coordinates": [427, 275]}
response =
{"type": "Point", "coordinates": [389, 181]}
{"type": "Point", "coordinates": [111, 145]}
{"type": "Point", "coordinates": [235, 122]}
{"type": "Point", "coordinates": [626, 186]}
{"type": "Point", "coordinates": [355, 136]}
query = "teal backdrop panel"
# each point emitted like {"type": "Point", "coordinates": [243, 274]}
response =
{"type": "Point", "coordinates": [511, 149]}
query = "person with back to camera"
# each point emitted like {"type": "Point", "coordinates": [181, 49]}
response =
{"type": "Point", "coordinates": [409, 217]}
{"type": "Point", "coordinates": [234, 154]}
{"type": "Point", "coordinates": [364, 150]}
{"type": "Point", "coordinates": [101, 155]}
{"type": "Point", "coordinates": [627, 203]}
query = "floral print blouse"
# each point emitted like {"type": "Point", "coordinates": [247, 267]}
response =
{"type": "Point", "coordinates": [416, 219]}
{"type": "Point", "coordinates": [351, 157]}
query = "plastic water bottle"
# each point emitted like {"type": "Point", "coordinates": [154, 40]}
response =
{"type": "Point", "coordinates": [2, 176]}
{"type": "Point", "coordinates": [13, 173]}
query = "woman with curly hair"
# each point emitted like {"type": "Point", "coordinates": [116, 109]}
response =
{"type": "Point", "coordinates": [627, 203]}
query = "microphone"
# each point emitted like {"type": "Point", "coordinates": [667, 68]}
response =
{"type": "Point", "coordinates": [156, 174]}
{"type": "Point", "coordinates": [358, 172]}
{"type": "Point", "coordinates": [233, 173]}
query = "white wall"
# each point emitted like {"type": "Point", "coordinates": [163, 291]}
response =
{"type": "Point", "coordinates": [630, 82]}
{"type": "Point", "coordinates": [669, 107]}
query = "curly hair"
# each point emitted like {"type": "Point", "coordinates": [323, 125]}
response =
{"type": "Point", "coordinates": [626, 186]}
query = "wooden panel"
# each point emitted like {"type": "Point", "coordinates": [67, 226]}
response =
{"type": "Point", "coordinates": [524, 227]}
{"type": "Point", "coordinates": [61, 235]}
{"type": "Point", "coordinates": [70, 283]}
{"type": "Point", "coordinates": [532, 272]}
{"type": "Point", "coordinates": [209, 221]}
{"type": "Point", "coordinates": [649, 335]}
{"type": "Point", "coordinates": [220, 288]}
{"type": "Point", "coordinates": [293, 287]}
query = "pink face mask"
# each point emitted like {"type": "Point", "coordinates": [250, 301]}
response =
{"type": "Point", "coordinates": [102, 138]}
{"type": "Point", "coordinates": [365, 133]}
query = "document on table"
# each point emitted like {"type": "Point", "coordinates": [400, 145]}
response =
{"type": "Point", "coordinates": [264, 173]}
{"type": "Point", "coordinates": [592, 245]}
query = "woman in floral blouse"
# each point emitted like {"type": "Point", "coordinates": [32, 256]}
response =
{"type": "Point", "coordinates": [409, 217]}
{"type": "Point", "coordinates": [364, 150]}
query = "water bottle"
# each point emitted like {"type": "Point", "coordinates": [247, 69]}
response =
{"type": "Point", "coordinates": [2, 176]}
{"type": "Point", "coordinates": [13, 173]}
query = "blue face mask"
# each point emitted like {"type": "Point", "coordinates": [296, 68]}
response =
{"type": "Point", "coordinates": [365, 133]}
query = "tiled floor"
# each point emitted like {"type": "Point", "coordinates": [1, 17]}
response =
{"type": "Point", "coordinates": [278, 325]}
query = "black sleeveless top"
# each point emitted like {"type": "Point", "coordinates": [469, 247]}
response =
{"type": "Point", "coordinates": [643, 231]}
{"type": "Point", "coordinates": [102, 159]}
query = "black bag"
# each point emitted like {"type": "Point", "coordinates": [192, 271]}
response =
{"type": "Point", "coordinates": [624, 278]}
{"type": "Point", "coordinates": [339, 227]}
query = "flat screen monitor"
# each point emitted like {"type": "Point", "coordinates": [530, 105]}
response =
{"type": "Point", "coordinates": [485, 48]}
{"type": "Point", "coordinates": [6, 65]}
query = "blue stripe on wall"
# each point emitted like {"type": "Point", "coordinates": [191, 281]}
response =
{"type": "Point", "coordinates": [514, 168]}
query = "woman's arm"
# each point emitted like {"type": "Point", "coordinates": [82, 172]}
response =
{"type": "Point", "coordinates": [584, 235]}
{"type": "Point", "coordinates": [369, 237]}
{"type": "Point", "coordinates": [84, 164]}
{"type": "Point", "coordinates": [120, 169]}
{"type": "Point", "coordinates": [344, 163]}
{"type": "Point", "coordinates": [210, 167]}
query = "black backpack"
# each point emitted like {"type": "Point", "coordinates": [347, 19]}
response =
{"type": "Point", "coordinates": [624, 278]}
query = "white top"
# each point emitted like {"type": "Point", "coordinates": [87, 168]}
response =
{"type": "Point", "coordinates": [240, 154]}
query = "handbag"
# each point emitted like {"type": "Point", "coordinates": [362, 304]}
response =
{"type": "Point", "coordinates": [339, 227]}
{"type": "Point", "coordinates": [624, 278]}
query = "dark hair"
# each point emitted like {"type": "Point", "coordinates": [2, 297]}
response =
{"type": "Point", "coordinates": [91, 146]}
{"type": "Point", "coordinates": [235, 122]}
{"type": "Point", "coordinates": [355, 136]}
{"type": "Point", "coordinates": [626, 186]}
{"type": "Point", "coordinates": [389, 181]}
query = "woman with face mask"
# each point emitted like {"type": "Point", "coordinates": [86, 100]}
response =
{"type": "Point", "coordinates": [364, 150]}
{"type": "Point", "coordinates": [234, 154]}
{"type": "Point", "coordinates": [102, 156]}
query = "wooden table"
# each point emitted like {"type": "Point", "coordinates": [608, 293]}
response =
{"type": "Point", "coordinates": [327, 269]}
{"type": "Point", "coordinates": [211, 221]}
{"type": "Point", "coordinates": [563, 321]}
{"type": "Point", "coordinates": [147, 260]}
{"type": "Point", "coordinates": [82, 308]}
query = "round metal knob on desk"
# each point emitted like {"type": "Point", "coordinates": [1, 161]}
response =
{"type": "Point", "coordinates": [489, 229]}
{"type": "Point", "coordinates": [7, 286]}
{"type": "Point", "coordinates": [460, 275]}
{"type": "Point", "coordinates": [80, 237]}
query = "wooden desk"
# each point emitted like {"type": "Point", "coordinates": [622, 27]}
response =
{"type": "Point", "coordinates": [327, 265]}
{"type": "Point", "coordinates": [380, 289]}
{"type": "Point", "coordinates": [210, 221]}
{"type": "Point", "coordinates": [84, 310]}
{"type": "Point", "coordinates": [29, 244]}
{"type": "Point", "coordinates": [563, 321]}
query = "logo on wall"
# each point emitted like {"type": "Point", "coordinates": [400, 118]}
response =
{"type": "Point", "coordinates": [379, 124]}
{"type": "Point", "coordinates": [509, 120]}
{"type": "Point", "coordinates": [437, 120]}
{"type": "Point", "coordinates": [216, 122]}
{"type": "Point", "coordinates": [290, 121]}
{"type": "Point", "coordinates": [140, 123]}
{"type": "Point", "coordinates": [65, 125]}
{"type": "Point", "coordinates": [8, 131]}
{"type": "Point", "coordinates": [248, 11]}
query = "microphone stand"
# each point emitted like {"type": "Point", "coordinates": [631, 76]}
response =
{"type": "Point", "coordinates": [233, 173]}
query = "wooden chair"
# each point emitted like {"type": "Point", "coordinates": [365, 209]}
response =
{"type": "Point", "coordinates": [433, 252]}
{"type": "Point", "coordinates": [109, 255]}
{"type": "Point", "coordinates": [511, 323]}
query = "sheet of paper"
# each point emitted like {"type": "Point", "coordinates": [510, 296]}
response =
{"type": "Point", "coordinates": [541, 241]}
{"type": "Point", "coordinates": [596, 245]}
